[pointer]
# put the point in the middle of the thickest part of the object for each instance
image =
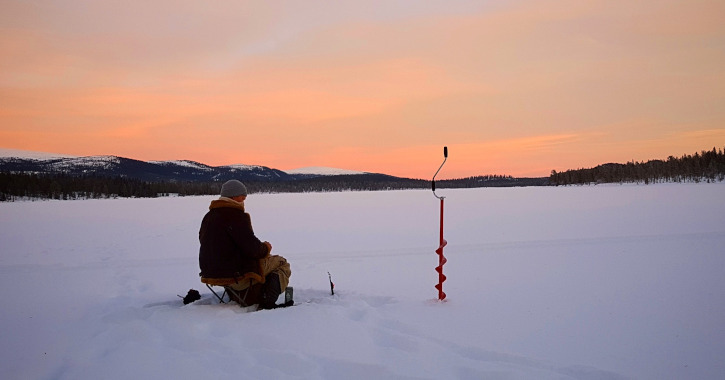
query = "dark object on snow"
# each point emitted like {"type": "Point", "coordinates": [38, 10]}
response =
{"type": "Point", "coordinates": [332, 286]}
{"type": "Point", "coordinates": [288, 294]}
{"type": "Point", "coordinates": [191, 296]}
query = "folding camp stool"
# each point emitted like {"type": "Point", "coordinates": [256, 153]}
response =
{"type": "Point", "coordinates": [227, 282]}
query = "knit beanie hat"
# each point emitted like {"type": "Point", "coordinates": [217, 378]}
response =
{"type": "Point", "coordinates": [233, 188]}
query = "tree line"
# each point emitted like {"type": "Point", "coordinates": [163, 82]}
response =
{"type": "Point", "coordinates": [15, 186]}
{"type": "Point", "coordinates": [62, 186]}
{"type": "Point", "coordinates": [491, 181]}
{"type": "Point", "coordinates": [703, 166]}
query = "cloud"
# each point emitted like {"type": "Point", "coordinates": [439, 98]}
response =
{"type": "Point", "coordinates": [510, 85]}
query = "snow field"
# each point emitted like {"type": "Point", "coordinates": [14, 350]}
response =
{"type": "Point", "coordinates": [603, 282]}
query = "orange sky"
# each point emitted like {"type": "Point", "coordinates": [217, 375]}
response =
{"type": "Point", "coordinates": [511, 87]}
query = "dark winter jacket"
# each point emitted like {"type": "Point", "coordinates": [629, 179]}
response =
{"type": "Point", "coordinates": [229, 247]}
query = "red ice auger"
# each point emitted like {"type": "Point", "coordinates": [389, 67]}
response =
{"type": "Point", "coordinates": [441, 259]}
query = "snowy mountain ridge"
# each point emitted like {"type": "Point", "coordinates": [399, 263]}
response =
{"type": "Point", "coordinates": [22, 161]}
{"type": "Point", "coordinates": [184, 163]}
{"type": "Point", "coordinates": [27, 154]}
{"type": "Point", "coordinates": [323, 171]}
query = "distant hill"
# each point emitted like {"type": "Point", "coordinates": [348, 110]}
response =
{"type": "Point", "coordinates": [44, 175]}
{"type": "Point", "coordinates": [21, 161]}
{"type": "Point", "coordinates": [17, 153]}
{"type": "Point", "coordinates": [706, 166]}
{"type": "Point", "coordinates": [113, 166]}
{"type": "Point", "coordinates": [322, 171]}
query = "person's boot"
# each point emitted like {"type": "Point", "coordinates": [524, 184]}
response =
{"type": "Point", "coordinates": [270, 292]}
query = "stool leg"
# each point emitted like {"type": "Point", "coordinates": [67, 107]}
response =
{"type": "Point", "coordinates": [241, 299]}
{"type": "Point", "coordinates": [217, 295]}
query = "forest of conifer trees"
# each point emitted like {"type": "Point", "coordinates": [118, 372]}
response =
{"type": "Point", "coordinates": [14, 186]}
{"type": "Point", "coordinates": [706, 166]}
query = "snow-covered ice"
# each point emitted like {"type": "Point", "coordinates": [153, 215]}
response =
{"type": "Point", "coordinates": [602, 282]}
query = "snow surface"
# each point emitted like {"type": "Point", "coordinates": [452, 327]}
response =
{"type": "Point", "coordinates": [244, 167]}
{"type": "Point", "coordinates": [603, 282]}
{"type": "Point", "coordinates": [184, 163]}
{"type": "Point", "coordinates": [27, 154]}
{"type": "Point", "coordinates": [322, 170]}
